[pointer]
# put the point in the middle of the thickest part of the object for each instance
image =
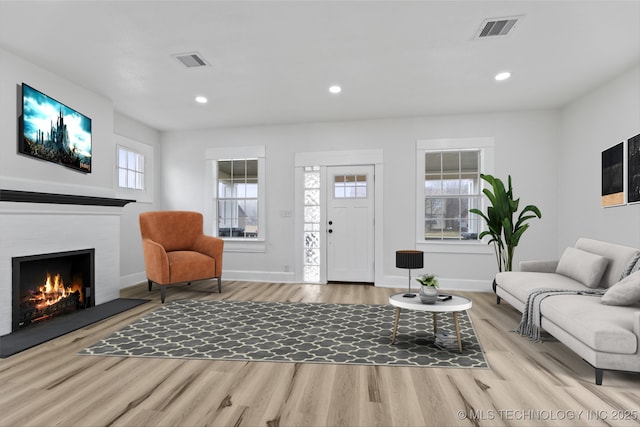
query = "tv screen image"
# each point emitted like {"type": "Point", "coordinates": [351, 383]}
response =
{"type": "Point", "coordinates": [53, 131]}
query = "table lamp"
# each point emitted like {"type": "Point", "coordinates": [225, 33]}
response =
{"type": "Point", "coordinates": [409, 259]}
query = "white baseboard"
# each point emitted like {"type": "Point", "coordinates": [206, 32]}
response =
{"type": "Point", "coordinates": [398, 282]}
{"type": "Point", "coordinates": [132, 279]}
{"type": "Point", "coordinates": [260, 276]}
{"type": "Point", "coordinates": [249, 276]}
{"type": "Point", "coordinates": [446, 284]}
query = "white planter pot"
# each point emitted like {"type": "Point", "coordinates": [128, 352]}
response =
{"type": "Point", "coordinates": [428, 294]}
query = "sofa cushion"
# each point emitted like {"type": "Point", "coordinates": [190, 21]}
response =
{"type": "Point", "coordinates": [601, 327]}
{"type": "Point", "coordinates": [521, 283]}
{"type": "Point", "coordinates": [618, 256]}
{"type": "Point", "coordinates": [625, 292]}
{"type": "Point", "coordinates": [582, 266]}
{"type": "Point", "coordinates": [632, 266]}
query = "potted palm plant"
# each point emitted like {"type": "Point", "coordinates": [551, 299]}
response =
{"type": "Point", "coordinates": [428, 288]}
{"type": "Point", "coordinates": [503, 228]}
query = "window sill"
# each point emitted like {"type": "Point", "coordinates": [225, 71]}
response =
{"type": "Point", "coordinates": [140, 196]}
{"type": "Point", "coordinates": [455, 247]}
{"type": "Point", "coordinates": [244, 245]}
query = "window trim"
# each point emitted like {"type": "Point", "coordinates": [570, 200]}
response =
{"type": "Point", "coordinates": [212, 156]}
{"type": "Point", "coordinates": [146, 194]}
{"type": "Point", "coordinates": [486, 146]}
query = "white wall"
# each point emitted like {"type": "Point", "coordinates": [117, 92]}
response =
{"type": "Point", "coordinates": [38, 175]}
{"type": "Point", "coordinates": [525, 148]}
{"type": "Point", "coordinates": [591, 124]}
{"type": "Point", "coordinates": [131, 259]}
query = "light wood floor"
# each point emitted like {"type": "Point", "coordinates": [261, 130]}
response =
{"type": "Point", "coordinates": [527, 383]}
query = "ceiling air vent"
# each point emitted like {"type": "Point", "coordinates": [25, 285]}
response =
{"type": "Point", "coordinates": [191, 60]}
{"type": "Point", "coordinates": [497, 27]}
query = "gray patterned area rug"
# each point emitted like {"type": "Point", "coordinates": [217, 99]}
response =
{"type": "Point", "coordinates": [292, 332]}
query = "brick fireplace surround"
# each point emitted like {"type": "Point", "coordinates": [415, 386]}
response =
{"type": "Point", "coordinates": [33, 223]}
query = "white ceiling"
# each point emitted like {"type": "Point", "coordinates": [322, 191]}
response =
{"type": "Point", "coordinates": [273, 61]}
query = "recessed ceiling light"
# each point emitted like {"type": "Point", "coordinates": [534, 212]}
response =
{"type": "Point", "coordinates": [201, 99]}
{"type": "Point", "coordinates": [503, 76]}
{"type": "Point", "coordinates": [335, 89]}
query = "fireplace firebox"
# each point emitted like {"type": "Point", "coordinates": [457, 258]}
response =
{"type": "Point", "coordinates": [50, 285]}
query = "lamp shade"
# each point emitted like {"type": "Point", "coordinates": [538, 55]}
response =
{"type": "Point", "coordinates": [409, 259]}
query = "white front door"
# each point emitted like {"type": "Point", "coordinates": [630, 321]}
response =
{"type": "Point", "coordinates": [350, 223]}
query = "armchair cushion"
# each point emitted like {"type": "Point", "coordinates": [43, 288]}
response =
{"type": "Point", "coordinates": [185, 265]}
{"type": "Point", "coordinates": [174, 230]}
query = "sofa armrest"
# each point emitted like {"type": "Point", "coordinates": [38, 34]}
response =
{"type": "Point", "coordinates": [213, 247]}
{"type": "Point", "coordinates": [539, 266]}
{"type": "Point", "coordinates": [156, 261]}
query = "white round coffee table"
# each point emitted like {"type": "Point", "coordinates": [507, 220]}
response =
{"type": "Point", "coordinates": [453, 305]}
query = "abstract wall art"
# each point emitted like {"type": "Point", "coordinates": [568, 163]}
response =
{"type": "Point", "coordinates": [633, 169]}
{"type": "Point", "coordinates": [613, 175]}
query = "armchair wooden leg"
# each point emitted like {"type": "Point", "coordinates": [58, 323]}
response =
{"type": "Point", "coordinates": [219, 285]}
{"type": "Point", "coordinates": [150, 282]}
{"type": "Point", "coordinates": [163, 293]}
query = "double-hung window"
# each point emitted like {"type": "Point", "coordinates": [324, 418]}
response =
{"type": "Point", "coordinates": [451, 188]}
{"type": "Point", "coordinates": [238, 198]}
{"type": "Point", "coordinates": [236, 187]}
{"type": "Point", "coordinates": [449, 185]}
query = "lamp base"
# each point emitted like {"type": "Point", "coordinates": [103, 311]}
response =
{"type": "Point", "coordinates": [409, 295]}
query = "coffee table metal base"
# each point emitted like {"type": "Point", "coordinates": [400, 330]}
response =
{"type": "Point", "coordinates": [435, 326]}
{"type": "Point", "coordinates": [454, 306]}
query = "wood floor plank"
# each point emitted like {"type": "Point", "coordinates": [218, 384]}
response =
{"type": "Point", "coordinates": [52, 385]}
{"type": "Point", "coordinates": [309, 401]}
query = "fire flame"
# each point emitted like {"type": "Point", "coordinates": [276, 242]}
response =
{"type": "Point", "coordinates": [53, 290]}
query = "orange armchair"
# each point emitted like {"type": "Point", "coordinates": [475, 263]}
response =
{"type": "Point", "coordinates": [177, 251]}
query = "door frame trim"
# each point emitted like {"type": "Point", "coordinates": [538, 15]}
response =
{"type": "Point", "coordinates": [325, 159]}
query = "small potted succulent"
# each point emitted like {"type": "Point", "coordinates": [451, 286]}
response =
{"type": "Point", "coordinates": [428, 289]}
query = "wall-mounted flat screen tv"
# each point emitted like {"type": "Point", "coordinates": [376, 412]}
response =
{"type": "Point", "coordinates": [52, 131]}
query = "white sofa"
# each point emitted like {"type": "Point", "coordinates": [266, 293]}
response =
{"type": "Point", "coordinates": [603, 330]}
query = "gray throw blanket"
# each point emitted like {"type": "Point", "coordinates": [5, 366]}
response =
{"type": "Point", "coordinates": [530, 324]}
